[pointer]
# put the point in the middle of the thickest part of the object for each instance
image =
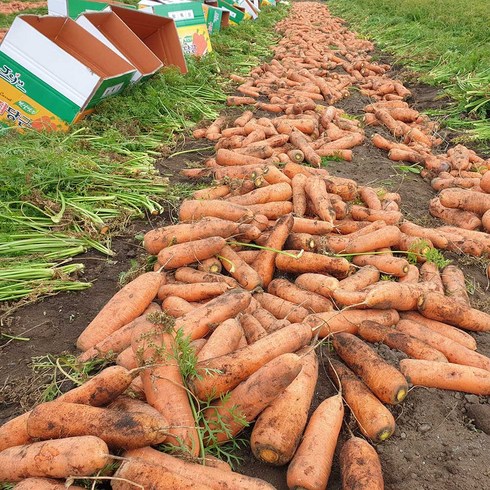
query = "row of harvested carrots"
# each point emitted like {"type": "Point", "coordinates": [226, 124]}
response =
{"type": "Point", "coordinates": [254, 335]}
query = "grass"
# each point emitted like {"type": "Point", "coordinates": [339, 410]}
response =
{"type": "Point", "coordinates": [82, 187]}
{"type": "Point", "coordinates": [444, 41]}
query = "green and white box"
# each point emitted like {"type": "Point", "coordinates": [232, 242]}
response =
{"type": "Point", "coordinates": [73, 8]}
{"type": "Point", "coordinates": [61, 64]}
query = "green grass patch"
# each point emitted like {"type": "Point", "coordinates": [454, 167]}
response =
{"type": "Point", "coordinates": [445, 41]}
{"type": "Point", "coordinates": [83, 186]}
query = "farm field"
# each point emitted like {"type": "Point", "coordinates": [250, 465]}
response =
{"type": "Point", "coordinates": [87, 197]}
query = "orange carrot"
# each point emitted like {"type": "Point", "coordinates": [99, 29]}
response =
{"type": "Point", "coordinates": [360, 467]}
{"type": "Point", "coordinates": [211, 265]}
{"type": "Point", "coordinates": [75, 456]}
{"type": "Point", "coordinates": [187, 253]}
{"type": "Point", "coordinates": [244, 118]}
{"type": "Point", "coordinates": [475, 202]}
{"type": "Point", "coordinates": [192, 276]}
{"type": "Point", "coordinates": [212, 192]}
{"type": "Point", "coordinates": [437, 307]}
{"type": "Point", "coordinates": [264, 264]}
{"type": "Point", "coordinates": [318, 197]}
{"type": "Point", "coordinates": [43, 484]}
{"type": "Point", "coordinates": [245, 275]}
{"type": "Point", "coordinates": [251, 396]}
{"type": "Point", "coordinates": [412, 275]}
{"type": "Point", "coordinates": [193, 210]}
{"type": "Point", "coordinates": [156, 240]}
{"type": "Point", "coordinates": [299, 195]}
{"type": "Point", "coordinates": [284, 289]}
{"type": "Point", "coordinates": [428, 233]}
{"type": "Point", "coordinates": [193, 292]}
{"type": "Point", "coordinates": [252, 328]}
{"type": "Point", "coordinates": [223, 340]}
{"type": "Point", "coordinates": [365, 214]}
{"type": "Point", "coordinates": [155, 349]}
{"type": "Point", "coordinates": [457, 217]}
{"type": "Point", "coordinates": [385, 237]}
{"type": "Point", "coordinates": [277, 431]}
{"type": "Point", "coordinates": [213, 380]}
{"type": "Point", "coordinates": [52, 419]}
{"type": "Point", "coordinates": [412, 346]}
{"type": "Point", "coordinates": [312, 262]}
{"type": "Point", "coordinates": [235, 100]}
{"type": "Point", "coordinates": [446, 376]}
{"type": "Point", "coordinates": [281, 308]}
{"type": "Point", "coordinates": [296, 156]}
{"type": "Point", "coordinates": [271, 193]}
{"type": "Point", "coordinates": [273, 210]}
{"type": "Point", "coordinates": [396, 295]}
{"type": "Point", "coordinates": [384, 263]}
{"type": "Point", "coordinates": [127, 359]}
{"type": "Point", "coordinates": [314, 227]}
{"type": "Point", "coordinates": [215, 477]}
{"type": "Point", "coordinates": [321, 284]}
{"type": "Point", "coordinates": [364, 277]}
{"type": "Point", "coordinates": [454, 351]}
{"type": "Point", "coordinates": [348, 320]}
{"type": "Point", "coordinates": [197, 323]}
{"type": "Point", "coordinates": [319, 442]}
{"type": "Point", "coordinates": [374, 419]}
{"type": "Point", "coordinates": [126, 305]}
{"type": "Point", "coordinates": [454, 284]}
{"type": "Point", "coordinates": [429, 272]}
{"type": "Point", "coordinates": [385, 381]}
{"type": "Point", "coordinates": [369, 197]}
{"type": "Point", "coordinates": [298, 139]}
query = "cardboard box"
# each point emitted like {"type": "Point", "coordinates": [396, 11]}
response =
{"type": "Point", "coordinates": [158, 33]}
{"type": "Point", "coordinates": [225, 14]}
{"type": "Point", "coordinates": [213, 17]}
{"type": "Point", "coordinates": [236, 15]}
{"type": "Point", "coordinates": [54, 72]}
{"type": "Point", "coordinates": [250, 9]}
{"type": "Point", "coordinates": [115, 34]}
{"type": "Point", "coordinates": [73, 8]}
{"type": "Point", "coordinates": [190, 21]}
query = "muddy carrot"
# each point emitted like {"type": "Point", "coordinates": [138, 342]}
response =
{"type": "Point", "coordinates": [223, 340]}
{"type": "Point", "coordinates": [428, 233]}
{"type": "Point", "coordinates": [211, 265]}
{"type": "Point", "coordinates": [278, 429]}
{"type": "Point", "coordinates": [251, 396]}
{"type": "Point", "coordinates": [44, 484]}
{"type": "Point", "coordinates": [312, 262]}
{"type": "Point", "coordinates": [321, 284]}
{"type": "Point", "coordinates": [299, 195]}
{"type": "Point", "coordinates": [385, 237]}
{"type": "Point", "coordinates": [348, 320]}
{"type": "Point", "coordinates": [318, 197]}
{"type": "Point", "coordinates": [446, 376]}
{"type": "Point", "coordinates": [412, 275]}
{"type": "Point", "coordinates": [298, 139]}
{"type": "Point", "coordinates": [366, 214]}
{"type": "Point", "coordinates": [281, 308]}
{"type": "Point", "coordinates": [193, 292]}
{"type": "Point", "coordinates": [126, 305]}
{"type": "Point", "coordinates": [212, 192]}
{"type": "Point", "coordinates": [384, 263]}
{"type": "Point", "coordinates": [193, 210]}
{"type": "Point", "coordinates": [245, 275]}
{"type": "Point", "coordinates": [437, 307]}
{"type": "Point", "coordinates": [385, 381]}
{"type": "Point", "coordinates": [373, 418]}
{"type": "Point", "coordinates": [396, 295]}
{"type": "Point", "coordinates": [475, 202]}
{"type": "Point", "coordinates": [457, 217]}
{"type": "Point", "coordinates": [318, 443]}
{"type": "Point", "coordinates": [213, 380]}
{"type": "Point", "coordinates": [271, 193]}
{"type": "Point", "coordinates": [454, 284]}
{"type": "Point", "coordinates": [412, 346]}
{"type": "Point", "coordinates": [187, 253]}
{"type": "Point", "coordinates": [364, 277]}
{"type": "Point", "coordinates": [360, 467]}
{"type": "Point", "coordinates": [429, 272]}
{"type": "Point", "coordinates": [252, 328]}
{"type": "Point", "coordinates": [273, 210]}
{"type": "Point", "coordinates": [314, 227]}
{"type": "Point", "coordinates": [192, 276]}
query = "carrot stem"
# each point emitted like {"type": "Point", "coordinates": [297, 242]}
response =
{"type": "Point", "coordinates": [252, 245]}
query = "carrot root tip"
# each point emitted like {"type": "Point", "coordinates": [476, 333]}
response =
{"type": "Point", "coordinates": [268, 456]}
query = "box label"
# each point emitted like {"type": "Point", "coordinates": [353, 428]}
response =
{"type": "Point", "coordinates": [195, 39]}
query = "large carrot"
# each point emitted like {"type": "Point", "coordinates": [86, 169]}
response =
{"type": "Point", "coordinates": [454, 284]}
{"type": "Point", "coordinates": [252, 328]}
{"type": "Point", "coordinates": [284, 289]}
{"type": "Point", "coordinates": [314, 227]}
{"type": "Point", "coordinates": [396, 295]}
{"type": "Point", "coordinates": [271, 193]}
{"type": "Point", "coordinates": [278, 429]}
{"type": "Point", "coordinates": [197, 323]}
{"type": "Point", "coordinates": [187, 253]}
{"type": "Point", "coordinates": [191, 276]}
{"type": "Point", "coordinates": [361, 279]}
{"type": "Point", "coordinates": [299, 194]}
{"type": "Point", "coordinates": [360, 467]}
{"type": "Point", "coordinates": [53, 420]}
{"type": "Point", "coordinates": [119, 340]}
{"type": "Point", "coordinates": [193, 292]}
{"type": "Point", "coordinates": [321, 284]}
{"type": "Point", "coordinates": [385, 381]}
{"type": "Point", "coordinates": [217, 376]}
{"type": "Point", "coordinates": [430, 234]}
{"type": "Point", "coordinates": [264, 264]}
{"type": "Point", "coordinates": [273, 210]}
{"type": "Point", "coordinates": [318, 197]}
{"type": "Point", "coordinates": [412, 346]}
{"type": "Point", "coordinates": [437, 307]}
{"type": "Point", "coordinates": [457, 217]}
{"type": "Point", "coordinates": [75, 456]}
{"type": "Point", "coordinates": [44, 484]}
{"type": "Point", "coordinates": [365, 214]}
{"type": "Point", "coordinates": [449, 331]}
{"type": "Point", "coordinates": [242, 272]}
{"type": "Point", "coordinates": [429, 273]}
{"type": "Point", "coordinates": [446, 376]}
{"type": "Point", "coordinates": [475, 202]}
{"type": "Point", "coordinates": [385, 237]}
{"type": "Point", "coordinates": [319, 442]}
{"type": "Point", "coordinates": [281, 308]}
{"type": "Point", "coordinates": [249, 398]}
{"type": "Point", "coordinates": [454, 352]}
{"type": "Point", "coordinates": [156, 350]}
{"type": "Point", "coordinates": [385, 263]}
{"type": "Point", "coordinates": [312, 262]}
{"type": "Point", "coordinates": [148, 475]}
{"type": "Point", "coordinates": [215, 477]}
{"type": "Point", "coordinates": [373, 418]}
{"type": "Point", "coordinates": [127, 304]}
{"type": "Point", "coordinates": [156, 240]}
{"type": "Point", "coordinates": [223, 340]}
{"type": "Point", "coordinates": [194, 210]}
{"type": "Point", "coordinates": [176, 307]}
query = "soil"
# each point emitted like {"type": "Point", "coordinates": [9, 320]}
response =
{"type": "Point", "coordinates": [442, 439]}
{"type": "Point", "coordinates": [13, 7]}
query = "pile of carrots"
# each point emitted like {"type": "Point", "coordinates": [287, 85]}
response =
{"type": "Point", "coordinates": [254, 277]}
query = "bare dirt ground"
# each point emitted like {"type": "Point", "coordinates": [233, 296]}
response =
{"type": "Point", "coordinates": [442, 439]}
